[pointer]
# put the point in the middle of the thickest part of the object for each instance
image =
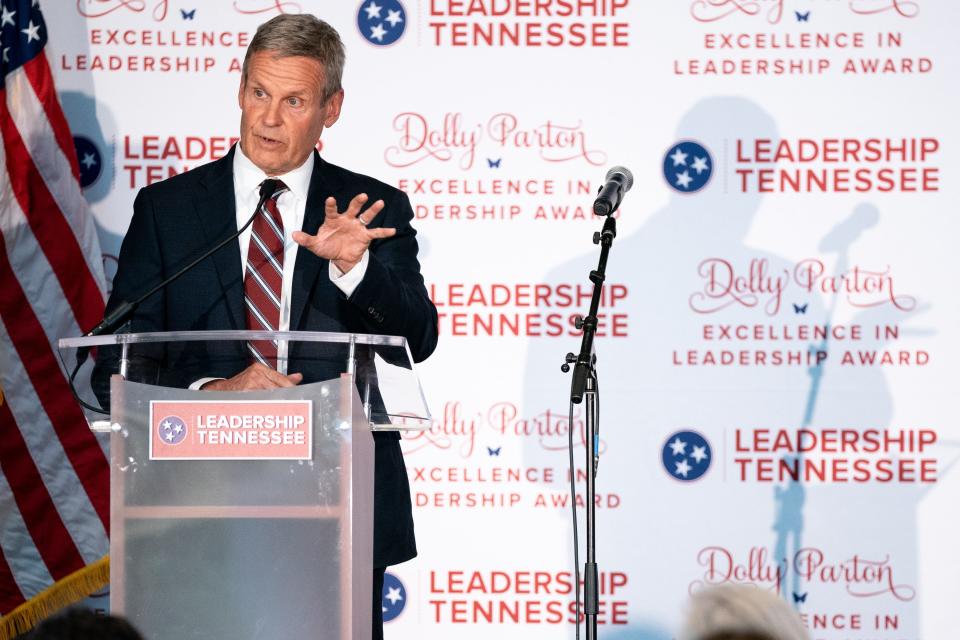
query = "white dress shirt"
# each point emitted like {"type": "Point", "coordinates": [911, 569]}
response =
{"type": "Point", "coordinates": [292, 204]}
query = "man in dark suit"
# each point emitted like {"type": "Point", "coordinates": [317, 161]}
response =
{"type": "Point", "coordinates": [338, 265]}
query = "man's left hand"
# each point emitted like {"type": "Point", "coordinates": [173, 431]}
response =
{"type": "Point", "coordinates": [344, 237]}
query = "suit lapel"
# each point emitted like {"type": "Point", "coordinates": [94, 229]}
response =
{"type": "Point", "coordinates": [323, 183]}
{"type": "Point", "coordinates": [216, 207]}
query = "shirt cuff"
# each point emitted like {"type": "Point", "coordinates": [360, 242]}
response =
{"type": "Point", "coordinates": [196, 386]}
{"type": "Point", "coordinates": [349, 281]}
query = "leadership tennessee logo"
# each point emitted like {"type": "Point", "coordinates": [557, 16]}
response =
{"type": "Point", "coordinates": [172, 430]}
{"type": "Point", "coordinates": [381, 22]}
{"type": "Point", "coordinates": [687, 166]}
{"type": "Point", "coordinates": [686, 456]}
{"type": "Point", "coordinates": [91, 162]}
{"type": "Point", "coordinates": [394, 597]}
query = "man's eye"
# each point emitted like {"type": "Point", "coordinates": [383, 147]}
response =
{"type": "Point", "coordinates": [294, 102]}
{"type": "Point", "coordinates": [258, 93]}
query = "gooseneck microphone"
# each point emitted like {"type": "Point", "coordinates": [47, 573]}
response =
{"type": "Point", "coordinates": [618, 182]}
{"type": "Point", "coordinates": [116, 318]}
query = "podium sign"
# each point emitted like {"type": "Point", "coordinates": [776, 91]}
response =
{"type": "Point", "coordinates": [233, 430]}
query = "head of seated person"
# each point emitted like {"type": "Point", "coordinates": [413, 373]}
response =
{"type": "Point", "coordinates": [736, 612]}
{"type": "Point", "coordinates": [83, 624]}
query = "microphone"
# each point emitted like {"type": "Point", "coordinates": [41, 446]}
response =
{"type": "Point", "coordinates": [118, 316]}
{"type": "Point", "coordinates": [618, 182]}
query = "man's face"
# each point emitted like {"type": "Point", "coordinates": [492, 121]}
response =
{"type": "Point", "coordinates": [282, 110]}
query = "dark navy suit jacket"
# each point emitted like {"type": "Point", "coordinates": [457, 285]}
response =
{"type": "Point", "coordinates": [175, 220]}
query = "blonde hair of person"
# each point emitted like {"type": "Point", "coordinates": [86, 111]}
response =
{"type": "Point", "coordinates": [736, 612]}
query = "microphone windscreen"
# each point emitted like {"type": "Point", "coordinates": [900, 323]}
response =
{"type": "Point", "coordinates": [627, 177]}
{"type": "Point", "coordinates": [268, 186]}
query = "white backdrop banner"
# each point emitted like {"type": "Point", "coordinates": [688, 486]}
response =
{"type": "Point", "coordinates": [777, 348]}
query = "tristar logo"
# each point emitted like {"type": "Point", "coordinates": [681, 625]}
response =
{"type": "Point", "coordinates": [686, 455]}
{"type": "Point", "coordinates": [90, 158]}
{"type": "Point", "coordinates": [394, 598]}
{"type": "Point", "coordinates": [687, 166]}
{"type": "Point", "coordinates": [172, 430]}
{"type": "Point", "coordinates": [381, 22]}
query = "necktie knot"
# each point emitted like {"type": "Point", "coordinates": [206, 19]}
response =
{"type": "Point", "coordinates": [273, 188]}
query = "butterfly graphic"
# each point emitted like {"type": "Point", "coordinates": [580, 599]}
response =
{"type": "Point", "coordinates": [188, 15]}
{"type": "Point", "coordinates": [802, 17]}
{"type": "Point", "coordinates": [799, 597]}
{"type": "Point", "coordinates": [494, 164]}
{"type": "Point", "coordinates": [494, 452]}
{"type": "Point", "coordinates": [800, 308]}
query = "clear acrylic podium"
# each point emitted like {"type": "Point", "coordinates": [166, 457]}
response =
{"type": "Point", "coordinates": [246, 515]}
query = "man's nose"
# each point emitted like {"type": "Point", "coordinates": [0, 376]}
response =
{"type": "Point", "coordinates": [272, 117]}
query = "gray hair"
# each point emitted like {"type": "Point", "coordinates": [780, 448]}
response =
{"type": "Point", "coordinates": [304, 35]}
{"type": "Point", "coordinates": [731, 611]}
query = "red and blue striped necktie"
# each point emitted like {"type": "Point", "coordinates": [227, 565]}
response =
{"type": "Point", "coordinates": [263, 281]}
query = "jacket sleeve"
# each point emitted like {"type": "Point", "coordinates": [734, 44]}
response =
{"type": "Point", "coordinates": [392, 298]}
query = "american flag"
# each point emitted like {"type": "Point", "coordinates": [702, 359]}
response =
{"type": "Point", "coordinates": [54, 475]}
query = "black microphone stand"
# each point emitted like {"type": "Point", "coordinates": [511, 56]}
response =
{"type": "Point", "coordinates": [584, 387]}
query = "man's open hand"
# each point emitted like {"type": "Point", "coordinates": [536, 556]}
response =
{"type": "Point", "coordinates": [256, 376]}
{"type": "Point", "coordinates": [343, 237]}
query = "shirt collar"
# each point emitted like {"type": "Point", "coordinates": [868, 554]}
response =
{"type": "Point", "coordinates": [248, 176]}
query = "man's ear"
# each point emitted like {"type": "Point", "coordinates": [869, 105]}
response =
{"type": "Point", "coordinates": [333, 107]}
{"type": "Point", "coordinates": [243, 84]}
